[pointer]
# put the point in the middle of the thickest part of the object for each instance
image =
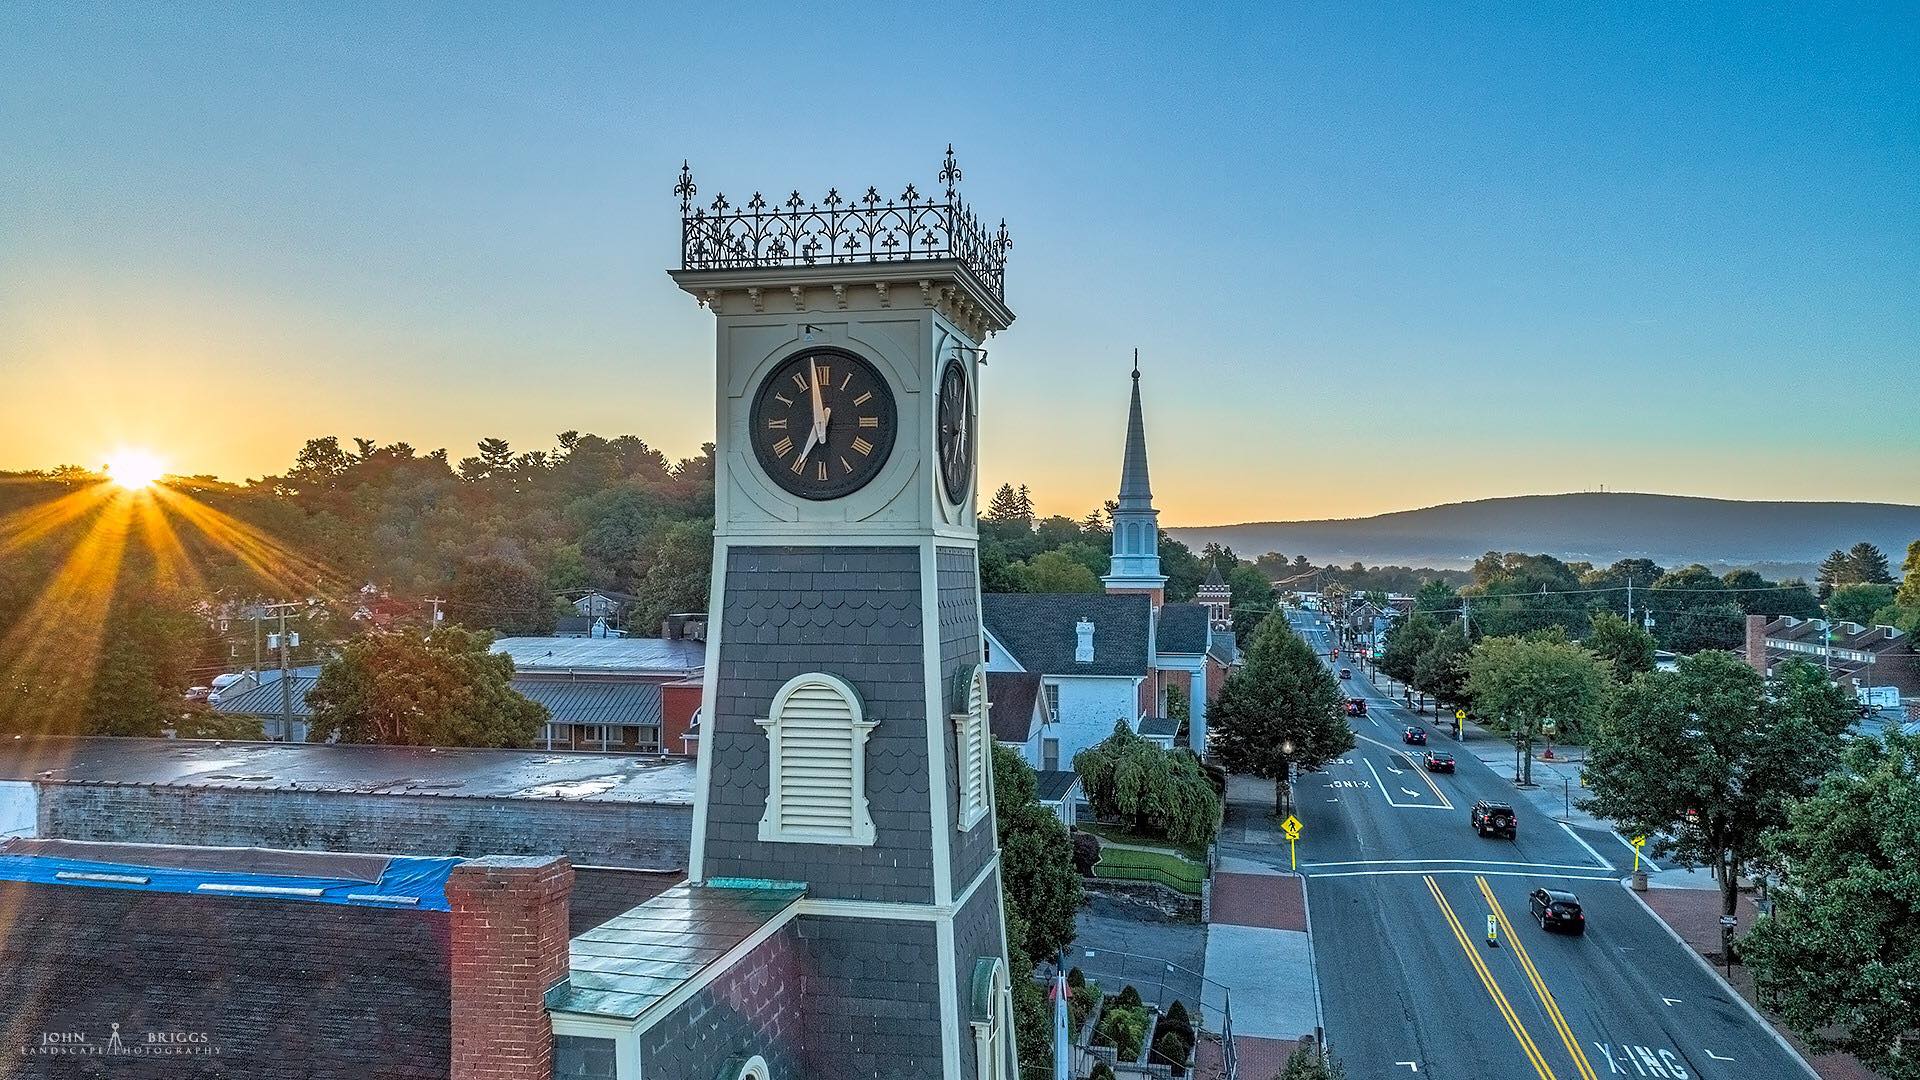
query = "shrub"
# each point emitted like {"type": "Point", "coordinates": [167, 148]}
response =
{"type": "Point", "coordinates": [1101, 1071]}
{"type": "Point", "coordinates": [1177, 1014]}
{"type": "Point", "coordinates": [1086, 852]}
{"type": "Point", "coordinates": [1081, 1001]}
{"type": "Point", "coordinates": [1173, 1025]}
{"type": "Point", "coordinates": [1129, 997]}
{"type": "Point", "coordinates": [1171, 1049]}
{"type": "Point", "coordinates": [1123, 1027]}
{"type": "Point", "coordinates": [1155, 792]}
{"type": "Point", "coordinates": [1077, 978]}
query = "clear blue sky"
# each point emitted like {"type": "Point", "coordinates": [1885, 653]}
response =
{"type": "Point", "coordinates": [1670, 247]}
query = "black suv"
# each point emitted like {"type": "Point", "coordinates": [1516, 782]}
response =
{"type": "Point", "coordinates": [1495, 819]}
{"type": "Point", "coordinates": [1557, 909]}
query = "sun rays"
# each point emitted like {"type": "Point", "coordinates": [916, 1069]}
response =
{"type": "Point", "coordinates": [51, 655]}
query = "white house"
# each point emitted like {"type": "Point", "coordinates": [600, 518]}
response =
{"type": "Point", "coordinates": [1090, 652]}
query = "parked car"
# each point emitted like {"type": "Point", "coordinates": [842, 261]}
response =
{"type": "Point", "coordinates": [1437, 761]}
{"type": "Point", "coordinates": [1346, 673]}
{"type": "Point", "coordinates": [199, 693]}
{"type": "Point", "coordinates": [1495, 819]}
{"type": "Point", "coordinates": [1414, 736]}
{"type": "Point", "coordinates": [1557, 909]}
{"type": "Point", "coordinates": [1356, 706]}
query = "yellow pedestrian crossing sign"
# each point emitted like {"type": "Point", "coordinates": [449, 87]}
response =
{"type": "Point", "coordinates": [1638, 842]}
{"type": "Point", "coordinates": [1459, 714]}
{"type": "Point", "coordinates": [1291, 827]}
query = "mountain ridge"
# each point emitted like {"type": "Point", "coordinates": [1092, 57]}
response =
{"type": "Point", "coordinates": [1597, 527]}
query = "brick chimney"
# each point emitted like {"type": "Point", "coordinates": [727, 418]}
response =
{"type": "Point", "coordinates": [509, 947]}
{"type": "Point", "coordinates": [1757, 643]}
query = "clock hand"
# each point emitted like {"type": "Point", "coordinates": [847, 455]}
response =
{"type": "Point", "coordinates": [819, 410]}
{"type": "Point", "coordinates": [814, 435]}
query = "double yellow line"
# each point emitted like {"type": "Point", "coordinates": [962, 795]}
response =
{"type": "Point", "coordinates": [1499, 996]}
{"type": "Point", "coordinates": [1520, 1033]}
{"type": "Point", "coordinates": [1580, 1063]}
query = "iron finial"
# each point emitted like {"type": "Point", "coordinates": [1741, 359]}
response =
{"type": "Point", "coordinates": [1136, 365]}
{"type": "Point", "coordinates": [685, 188]}
{"type": "Point", "coordinates": [950, 171]}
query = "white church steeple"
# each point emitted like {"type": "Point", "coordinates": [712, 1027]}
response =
{"type": "Point", "coordinates": [1135, 564]}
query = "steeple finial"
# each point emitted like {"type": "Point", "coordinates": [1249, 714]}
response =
{"type": "Point", "coordinates": [1136, 365]}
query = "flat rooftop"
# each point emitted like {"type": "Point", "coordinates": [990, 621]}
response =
{"type": "Point", "coordinates": [366, 770]}
{"type": "Point", "coordinates": [603, 656]}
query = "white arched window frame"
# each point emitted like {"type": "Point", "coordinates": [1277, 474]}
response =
{"type": "Point", "coordinates": [754, 1069]}
{"type": "Point", "coordinates": [973, 747]}
{"type": "Point", "coordinates": [991, 1010]}
{"type": "Point", "coordinates": [817, 763]}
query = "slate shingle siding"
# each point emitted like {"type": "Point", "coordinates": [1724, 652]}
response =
{"type": "Point", "coordinates": [280, 989]}
{"type": "Point", "coordinates": [645, 836]}
{"type": "Point", "coordinates": [851, 612]}
{"type": "Point", "coordinates": [754, 1008]}
{"type": "Point", "coordinates": [577, 1057]}
{"type": "Point", "coordinates": [871, 999]}
{"type": "Point", "coordinates": [976, 933]}
{"type": "Point", "coordinates": [960, 650]}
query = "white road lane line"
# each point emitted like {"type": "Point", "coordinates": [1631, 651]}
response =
{"type": "Point", "coordinates": [1648, 859]}
{"type": "Point", "coordinates": [1450, 862]}
{"type": "Point", "coordinates": [1488, 873]}
{"type": "Point", "coordinates": [1604, 864]}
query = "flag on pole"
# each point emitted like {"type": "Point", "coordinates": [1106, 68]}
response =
{"type": "Point", "coordinates": [1062, 1038]}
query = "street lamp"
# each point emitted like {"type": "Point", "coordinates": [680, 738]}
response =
{"type": "Point", "coordinates": [1286, 771]}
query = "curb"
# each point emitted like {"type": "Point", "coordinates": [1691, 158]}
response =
{"type": "Point", "coordinates": [1708, 968]}
{"type": "Point", "coordinates": [1313, 966]}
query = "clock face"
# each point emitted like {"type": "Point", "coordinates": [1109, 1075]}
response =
{"type": "Point", "coordinates": [954, 438]}
{"type": "Point", "coordinates": [823, 423]}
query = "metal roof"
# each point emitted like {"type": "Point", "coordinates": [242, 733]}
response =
{"type": "Point", "coordinates": [604, 656]}
{"type": "Point", "coordinates": [356, 769]}
{"type": "Point", "coordinates": [264, 700]}
{"type": "Point", "coordinates": [632, 962]}
{"type": "Point", "coordinates": [595, 702]}
{"type": "Point", "coordinates": [1161, 726]}
{"type": "Point", "coordinates": [1053, 785]}
{"type": "Point", "coordinates": [1182, 629]}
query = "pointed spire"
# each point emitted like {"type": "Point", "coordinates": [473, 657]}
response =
{"type": "Point", "coordinates": [1136, 492]}
{"type": "Point", "coordinates": [1214, 580]}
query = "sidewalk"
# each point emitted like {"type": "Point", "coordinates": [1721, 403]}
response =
{"type": "Point", "coordinates": [1694, 914]}
{"type": "Point", "coordinates": [1258, 946]}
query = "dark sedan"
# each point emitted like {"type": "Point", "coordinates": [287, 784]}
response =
{"type": "Point", "coordinates": [1414, 736]}
{"type": "Point", "coordinates": [1437, 761]}
{"type": "Point", "coordinates": [1557, 909]}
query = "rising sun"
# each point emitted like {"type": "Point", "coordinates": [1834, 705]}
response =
{"type": "Point", "coordinates": [134, 469]}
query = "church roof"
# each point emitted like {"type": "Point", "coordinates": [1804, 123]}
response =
{"type": "Point", "coordinates": [1010, 699]}
{"type": "Point", "coordinates": [1039, 630]}
{"type": "Point", "coordinates": [1182, 629]}
{"type": "Point", "coordinates": [1214, 580]}
{"type": "Point", "coordinates": [1135, 490]}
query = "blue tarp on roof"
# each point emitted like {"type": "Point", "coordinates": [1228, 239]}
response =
{"type": "Point", "coordinates": [405, 881]}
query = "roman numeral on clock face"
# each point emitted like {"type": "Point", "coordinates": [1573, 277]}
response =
{"type": "Point", "coordinates": [862, 446]}
{"type": "Point", "coordinates": [777, 425]}
{"type": "Point", "coordinates": [870, 421]}
{"type": "Point", "coordinates": [863, 398]}
{"type": "Point", "coordinates": [785, 444]}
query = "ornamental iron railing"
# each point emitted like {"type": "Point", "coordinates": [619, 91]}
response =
{"type": "Point", "coordinates": [838, 231]}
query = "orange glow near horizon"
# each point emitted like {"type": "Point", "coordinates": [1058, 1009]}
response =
{"type": "Point", "coordinates": [135, 469]}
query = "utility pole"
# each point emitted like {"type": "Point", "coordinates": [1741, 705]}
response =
{"type": "Point", "coordinates": [436, 602]}
{"type": "Point", "coordinates": [1629, 599]}
{"type": "Point", "coordinates": [286, 686]}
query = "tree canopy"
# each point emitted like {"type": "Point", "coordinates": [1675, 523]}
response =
{"type": "Point", "coordinates": [1155, 791]}
{"type": "Point", "coordinates": [1704, 759]}
{"type": "Point", "coordinates": [1525, 682]}
{"type": "Point", "coordinates": [1280, 695]}
{"type": "Point", "coordinates": [1627, 648]}
{"type": "Point", "coordinates": [401, 689]}
{"type": "Point", "coordinates": [1839, 957]}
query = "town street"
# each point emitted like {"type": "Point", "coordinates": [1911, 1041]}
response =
{"type": "Point", "coordinates": [1400, 889]}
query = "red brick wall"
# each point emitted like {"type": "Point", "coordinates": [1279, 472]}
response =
{"type": "Point", "coordinates": [1216, 678]}
{"type": "Point", "coordinates": [678, 702]}
{"type": "Point", "coordinates": [1149, 696]}
{"type": "Point", "coordinates": [1757, 642]}
{"type": "Point", "coordinates": [509, 948]}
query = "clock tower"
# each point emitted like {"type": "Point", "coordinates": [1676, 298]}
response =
{"type": "Point", "coordinates": [844, 740]}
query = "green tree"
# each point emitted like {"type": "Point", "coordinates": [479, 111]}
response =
{"type": "Point", "coordinates": [1704, 759]}
{"type": "Point", "coordinates": [1006, 508]}
{"type": "Point", "coordinates": [1253, 598]}
{"type": "Point", "coordinates": [1625, 646]}
{"type": "Point", "coordinates": [1438, 597]}
{"type": "Point", "coordinates": [1858, 602]}
{"type": "Point", "coordinates": [1036, 859]}
{"type": "Point", "coordinates": [1307, 1064]}
{"type": "Point", "coordinates": [1058, 572]}
{"type": "Point", "coordinates": [1839, 958]}
{"type": "Point", "coordinates": [1909, 594]}
{"type": "Point", "coordinates": [1153, 791]}
{"type": "Point", "coordinates": [399, 689]}
{"type": "Point", "coordinates": [1407, 640]}
{"type": "Point", "coordinates": [1280, 708]}
{"type": "Point", "coordinates": [1440, 671]}
{"type": "Point", "coordinates": [1526, 682]}
{"type": "Point", "coordinates": [1693, 611]}
{"type": "Point", "coordinates": [493, 592]}
{"type": "Point", "coordinates": [673, 575]}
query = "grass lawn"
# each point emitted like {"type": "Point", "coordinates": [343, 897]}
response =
{"type": "Point", "coordinates": [1120, 835]}
{"type": "Point", "coordinates": [1128, 864]}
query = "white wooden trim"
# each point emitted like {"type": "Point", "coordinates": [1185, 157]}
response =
{"type": "Point", "coordinates": [940, 826]}
{"type": "Point", "coordinates": [898, 910]}
{"type": "Point", "coordinates": [773, 826]}
{"type": "Point", "coordinates": [709, 697]}
{"type": "Point", "coordinates": [625, 1039]}
{"type": "Point", "coordinates": [992, 642]}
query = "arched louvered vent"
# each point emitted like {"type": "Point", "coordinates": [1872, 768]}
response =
{"type": "Point", "coordinates": [816, 788]}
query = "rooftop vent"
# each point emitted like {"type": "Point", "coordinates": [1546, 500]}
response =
{"type": "Point", "coordinates": [1083, 643]}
